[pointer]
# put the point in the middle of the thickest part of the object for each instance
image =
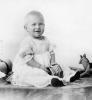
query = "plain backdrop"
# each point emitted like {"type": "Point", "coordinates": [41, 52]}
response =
{"type": "Point", "coordinates": [68, 25]}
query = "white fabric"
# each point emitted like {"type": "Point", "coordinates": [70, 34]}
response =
{"type": "Point", "coordinates": [2, 74]}
{"type": "Point", "coordinates": [68, 73]}
{"type": "Point", "coordinates": [26, 75]}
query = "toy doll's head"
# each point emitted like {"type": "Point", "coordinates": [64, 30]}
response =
{"type": "Point", "coordinates": [84, 61]}
{"type": "Point", "coordinates": [34, 24]}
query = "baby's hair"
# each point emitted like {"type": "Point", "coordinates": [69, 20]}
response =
{"type": "Point", "coordinates": [37, 13]}
{"type": "Point", "coordinates": [34, 13]}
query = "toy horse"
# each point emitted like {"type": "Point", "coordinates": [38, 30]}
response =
{"type": "Point", "coordinates": [87, 66]}
{"type": "Point", "coordinates": [82, 73]}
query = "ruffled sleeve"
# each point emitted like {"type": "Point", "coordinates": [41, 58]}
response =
{"type": "Point", "coordinates": [26, 52]}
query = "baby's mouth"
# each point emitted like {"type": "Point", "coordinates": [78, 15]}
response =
{"type": "Point", "coordinates": [38, 31]}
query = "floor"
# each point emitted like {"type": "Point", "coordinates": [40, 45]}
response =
{"type": "Point", "coordinates": [80, 90]}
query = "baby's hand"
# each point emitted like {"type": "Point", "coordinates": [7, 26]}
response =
{"type": "Point", "coordinates": [43, 68]}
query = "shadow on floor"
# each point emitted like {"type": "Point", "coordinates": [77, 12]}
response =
{"type": "Point", "coordinates": [80, 90]}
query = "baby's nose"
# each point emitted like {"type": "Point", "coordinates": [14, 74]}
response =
{"type": "Point", "coordinates": [37, 26]}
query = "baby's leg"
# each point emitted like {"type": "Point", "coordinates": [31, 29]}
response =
{"type": "Point", "coordinates": [75, 77]}
{"type": "Point", "coordinates": [78, 75]}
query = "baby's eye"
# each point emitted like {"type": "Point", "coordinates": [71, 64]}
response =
{"type": "Point", "coordinates": [41, 24]}
{"type": "Point", "coordinates": [33, 24]}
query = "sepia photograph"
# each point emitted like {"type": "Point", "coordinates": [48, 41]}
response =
{"type": "Point", "coordinates": [45, 49]}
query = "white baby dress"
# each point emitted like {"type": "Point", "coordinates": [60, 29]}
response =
{"type": "Point", "coordinates": [27, 75]}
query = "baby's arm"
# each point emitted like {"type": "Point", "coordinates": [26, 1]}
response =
{"type": "Point", "coordinates": [52, 60]}
{"type": "Point", "coordinates": [26, 53]}
{"type": "Point", "coordinates": [30, 61]}
{"type": "Point", "coordinates": [52, 53]}
{"type": "Point", "coordinates": [53, 63]}
{"type": "Point", "coordinates": [35, 64]}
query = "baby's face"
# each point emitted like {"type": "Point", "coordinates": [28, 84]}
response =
{"type": "Point", "coordinates": [35, 26]}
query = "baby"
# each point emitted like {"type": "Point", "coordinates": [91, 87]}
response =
{"type": "Point", "coordinates": [44, 58]}
{"type": "Point", "coordinates": [35, 62]}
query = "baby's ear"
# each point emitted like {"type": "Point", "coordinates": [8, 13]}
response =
{"type": "Point", "coordinates": [25, 26]}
